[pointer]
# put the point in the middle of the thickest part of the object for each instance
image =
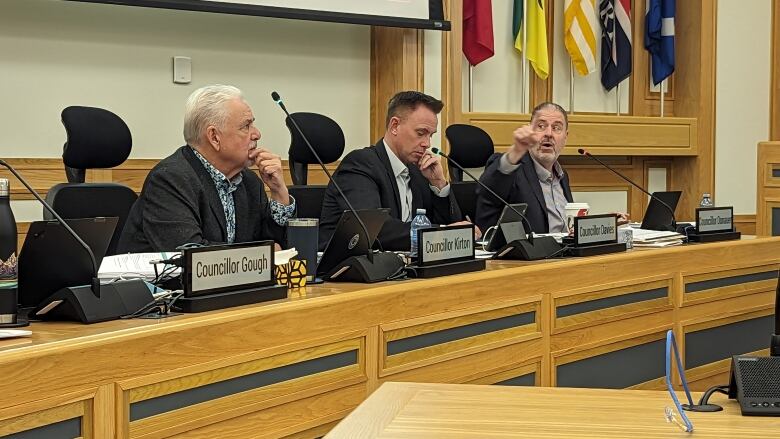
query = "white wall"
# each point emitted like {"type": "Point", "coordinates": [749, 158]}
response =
{"type": "Point", "coordinates": [57, 53]}
{"type": "Point", "coordinates": [742, 99]}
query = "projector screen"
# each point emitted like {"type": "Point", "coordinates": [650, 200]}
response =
{"type": "Point", "coordinates": [420, 14]}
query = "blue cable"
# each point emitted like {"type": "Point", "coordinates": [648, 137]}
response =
{"type": "Point", "coordinates": [671, 346]}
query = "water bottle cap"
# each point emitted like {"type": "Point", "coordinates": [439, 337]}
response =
{"type": "Point", "coordinates": [706, 195]}
{"type": "Point", "coordinates": [4, 187]}
{"type": "Point", "coordinates": [420, 211]}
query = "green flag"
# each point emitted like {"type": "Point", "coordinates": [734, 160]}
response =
{"type": "Point", "coordinates": [517, 24]}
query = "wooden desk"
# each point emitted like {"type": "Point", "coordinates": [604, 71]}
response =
{"type": "Point", "coordinates": [452, 411]}
{"type": "Point", "coordinates": [298, 366]}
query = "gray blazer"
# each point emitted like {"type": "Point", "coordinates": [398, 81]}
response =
{"type": "Point", "coordinates": [179, 204]}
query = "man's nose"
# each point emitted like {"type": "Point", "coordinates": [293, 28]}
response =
{"type": "Point", "coordinates": [255, 134]}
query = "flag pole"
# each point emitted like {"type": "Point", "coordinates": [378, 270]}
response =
{"type": "Point", "coordinates": [663, 81]}
{"type": "Point", "coordinates": [571, 87]}
{"type": "Point", "coordinates": [617, 99]}
{"type": "Point", "coordinates": [471, 88]}
{"type": "Point", "coordinates": [526, 70]}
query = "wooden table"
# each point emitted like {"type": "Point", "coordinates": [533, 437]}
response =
{"type": "Point", "coordinates": [296, 367]}
{"type": "Point", "coordinates": [453, 411]}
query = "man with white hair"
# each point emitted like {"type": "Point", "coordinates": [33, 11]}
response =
{"type": "Point", "coordinates": [204, 192]}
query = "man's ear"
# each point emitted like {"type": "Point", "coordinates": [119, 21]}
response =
{"type": "Point", "coordinates": [212, 137]}
{"type": "Point", "coordinates": [392, 127]}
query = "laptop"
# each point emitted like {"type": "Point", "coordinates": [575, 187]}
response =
{"type": "Point", "coordinates": [657, 216]}
{"type": "Point", "coordinates": [508, 228]}
{"type": "Point", "coordinates": [346, 240]}
{"type": "Point", "coordinates": [52, 259]}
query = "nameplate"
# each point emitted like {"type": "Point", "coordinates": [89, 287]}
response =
{"type": "Point", "coordinates": [595, 229]}
{"type": "Point", "coordinates": [222, 268]}
{"type": "Point", "coordinates": [714, 219]}
{"type": "Point", "coordinates": [445, 244]}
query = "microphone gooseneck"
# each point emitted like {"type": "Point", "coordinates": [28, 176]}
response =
{"type": "Point", "coordinates": [584, 152]}
{"type": "Point", "coordinates": [525, 221]}
{"type": "Point", "coordinates": [278, 99]}
{"type": "Point", "coordinates": [95, 280]}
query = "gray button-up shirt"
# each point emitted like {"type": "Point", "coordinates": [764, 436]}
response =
{"type": "Point", "coordinates": [554, 198]}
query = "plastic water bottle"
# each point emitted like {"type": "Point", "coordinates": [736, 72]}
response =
{"type": "Point", "coordinates": [706, 201]}
{"type": "Point", "coordinates": [420, 221]}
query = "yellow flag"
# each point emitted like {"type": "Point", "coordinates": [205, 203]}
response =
{"type": "Point", "coordinates": [579, 32]}
{"type": "Point", "coordinates": [536, 52]}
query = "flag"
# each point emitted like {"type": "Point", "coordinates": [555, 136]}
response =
{"type": "Point", "coordinates": [579, 34]}
{"type": "Point", "coordinates": [615, 41]}
{"type": "Point", "coordinates": [477, 30]}
{"type": "Point", "coordinates": [536, 52]}
{"type": "Point", "coordinates": [517, 25]}
{"type": "Point", "coordinates": [659, 37]}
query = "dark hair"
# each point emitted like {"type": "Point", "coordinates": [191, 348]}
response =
{"type": "Point", "coordinates": [408, 101]}
{"type": "Point", "coordinates": [552, 105]}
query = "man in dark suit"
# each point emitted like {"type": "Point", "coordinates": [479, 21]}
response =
{"type": "Point", "coordinates": [204, 192]}
{"type": "Point", "coordinates": [397, 173]}
{"type": "Point", "coordinates": [530, 173]}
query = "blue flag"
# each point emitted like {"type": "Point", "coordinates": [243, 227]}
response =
{"type": "Point", "coordinates": [615, 41]}
{"type": "Point", "coordinates": [659, 37]}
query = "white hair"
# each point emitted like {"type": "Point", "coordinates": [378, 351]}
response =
{"type": "Point", "coordinates": [206, 106]}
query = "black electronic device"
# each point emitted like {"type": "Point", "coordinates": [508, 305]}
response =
{"type": "Point", "coordinates": [508, 228]}
{"type": "Point", "coordinates": [755, 383]}
{"type": "Point", "coordinates": [657, 200]}
{"type": "Point", "coordinates": [72, 301]}
{"type": "Point", "coordinates": [365, 267]}
{"type": "Point", "coordinates": [348, 256]}
{"type": "Point", "coordinates": [51, 260]}
{"type": "Point", "coordinates": [530, 247]}
{"type": "Point", "coordinates": [659, 214]}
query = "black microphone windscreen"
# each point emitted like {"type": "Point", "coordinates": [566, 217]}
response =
{"type": "Point", "coordinates": [582, 151]}
{"type": "Point", "coordinates": [435, 150]}
{"type": "Point", "coordinates": [275, 96]}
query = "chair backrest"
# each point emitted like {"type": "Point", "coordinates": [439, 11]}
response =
{"type": "Point", "coordinates": [308, 199]}
{"type": "Point", "coordinates": [325, 136]}
{"type": "Point", "coordinates": [470, 147]}
{"type": "Point", "coordinates": [466, 195]}
{"type": "Point", "coordinates": [97, 138]}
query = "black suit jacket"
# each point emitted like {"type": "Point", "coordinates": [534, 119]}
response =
{"type": "Point", "coordinates": [521, 186]}
{"type": "Point", "coordinates": [179, 204]}
{"type": "Point", "coordinates": [367, 179]}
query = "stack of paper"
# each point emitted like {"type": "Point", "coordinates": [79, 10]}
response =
{"type": "Point", "coordinates": [132, 266]}
{"type": "Point", "coordinates": [655, 238]}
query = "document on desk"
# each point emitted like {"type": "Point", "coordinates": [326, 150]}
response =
{"type": "Point", "coordinates": [133, 266]}
{"type": "Point", "coordinates": [655, 238]}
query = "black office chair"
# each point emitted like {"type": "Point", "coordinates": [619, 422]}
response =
{"type": "Point", "coordinates": [466, 195]}
{"type": "Point", "coordinates": [308, 199]}
{"type": "Point", "coordinates": [97, 138]}
{"type": "Point", "coordinates": [325, 136]}
{"type": "Point", "coordinates": [470, 147]}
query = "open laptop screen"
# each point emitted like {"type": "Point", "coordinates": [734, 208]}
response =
{"type": "Point", "coordinates": [51, 258]}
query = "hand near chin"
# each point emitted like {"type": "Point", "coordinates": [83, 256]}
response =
{"type": "Point", "coordinates": [523, 139]}
{"type": "Point", "coordinates": [431, 168]}
{"type": "Point", "coordinates": [269, 166]}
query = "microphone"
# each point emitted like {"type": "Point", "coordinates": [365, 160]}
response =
{"type": "Point", "coordinates": [671, 211]}
{"type": "Point", "coordinates": [526, 224]}
{"type": "Point", "coordinates": [95, 280]}
{"type": "Point", "coordinates": [278, 99]}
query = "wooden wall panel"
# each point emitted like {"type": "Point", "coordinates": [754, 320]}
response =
{"type": "Point", "coordinates": [767, 185]}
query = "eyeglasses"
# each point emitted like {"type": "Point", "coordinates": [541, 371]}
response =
{"type": "Point", "coordinates": [669, 413]}
{"type": "Point", "coordinates": [541, 127]}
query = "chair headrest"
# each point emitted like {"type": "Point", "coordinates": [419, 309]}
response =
{"type": "Point", "coordinates": [97, 138]}
{"type": "Point", "coordinates": [470, 146]}
{"type": "Point", "coordinates": [325, 136]}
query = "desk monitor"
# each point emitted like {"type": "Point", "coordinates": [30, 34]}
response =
{"type": "Point", "coordinates": [657, 216]}
{"type": "Point", "coordinates": [344, 242]}
{"type": "Point", "coordinates": [52, 259]}
{"type": "Point", "coordinates": [508, 228]}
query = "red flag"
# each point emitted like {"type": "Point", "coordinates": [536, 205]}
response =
{"type": "Point", "coordinates": [477, 30]}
